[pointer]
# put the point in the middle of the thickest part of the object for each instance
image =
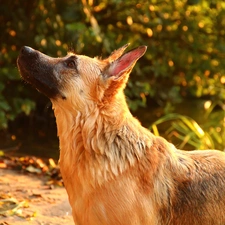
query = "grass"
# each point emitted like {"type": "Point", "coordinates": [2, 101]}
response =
{"type": "Point", "coordinates": [187, 133]}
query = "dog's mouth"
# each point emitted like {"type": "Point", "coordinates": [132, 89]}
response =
{"type": "Point", "coordinates": [37, 69]}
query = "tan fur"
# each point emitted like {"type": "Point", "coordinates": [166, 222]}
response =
{"type": "Point", "coordinates": [116, 172]}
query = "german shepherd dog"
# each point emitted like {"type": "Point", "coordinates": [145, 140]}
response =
{"type": "Point", "coordinates": [115, 171]}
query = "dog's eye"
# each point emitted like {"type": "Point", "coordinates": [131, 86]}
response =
{"type": "Point", "coordinates": [71, 64]}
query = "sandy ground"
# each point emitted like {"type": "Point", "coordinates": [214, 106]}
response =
{"type": "Point", "coordinates": [37, 203]}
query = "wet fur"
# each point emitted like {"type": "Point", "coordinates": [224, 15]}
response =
{"type": "Point", "coordinates": [115, 171]}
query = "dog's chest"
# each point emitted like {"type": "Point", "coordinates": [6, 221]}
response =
{"type": "Point", "coordinates": [115, 202]}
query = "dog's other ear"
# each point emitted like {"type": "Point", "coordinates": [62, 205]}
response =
{"type": "Point", "coordinates": [117, 53]}
{"type": "Point", "coordinates": [125, 63]}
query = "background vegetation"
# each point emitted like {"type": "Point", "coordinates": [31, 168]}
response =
{"type": "Point", "coordinates": [183, 71]}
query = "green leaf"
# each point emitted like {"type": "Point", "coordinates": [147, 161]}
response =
{"type": "Point", "coordinates": [4, 105]}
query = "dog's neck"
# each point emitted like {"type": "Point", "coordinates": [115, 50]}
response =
{"type": "Point", "coordinates": [103, 143]}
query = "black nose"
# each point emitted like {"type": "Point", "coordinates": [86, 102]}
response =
{"type": "Point", "coordinates": [26, 50]}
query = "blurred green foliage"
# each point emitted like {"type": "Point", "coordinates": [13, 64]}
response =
{"type": "Point", "coordinates": [190, 134]}
{"type": "Point", "coordinates": [185, 39]}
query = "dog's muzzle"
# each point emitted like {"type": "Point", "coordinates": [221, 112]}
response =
{"type": "Point", "coordinates": [37, 68]}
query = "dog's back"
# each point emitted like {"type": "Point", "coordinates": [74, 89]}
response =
{"type": "Point", "coordinates": [114, 170]}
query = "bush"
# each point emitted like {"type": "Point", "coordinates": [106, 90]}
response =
{"type": "Point", "coordinates": [185, 42]}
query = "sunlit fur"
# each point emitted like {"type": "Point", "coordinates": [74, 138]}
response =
{"type": "Point", "coordinates": [118, 173]}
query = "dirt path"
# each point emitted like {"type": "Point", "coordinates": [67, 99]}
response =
{"type": "Point", "coordinates": [36, 202]}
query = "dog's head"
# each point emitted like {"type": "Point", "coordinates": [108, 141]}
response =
{"type": "Point", "coordinates": [77, 78]}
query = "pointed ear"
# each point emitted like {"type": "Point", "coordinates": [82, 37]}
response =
{"type": "Point", "coordinates": [117, 53]}
{"type": "Point", "coordinates": [125, 63]}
